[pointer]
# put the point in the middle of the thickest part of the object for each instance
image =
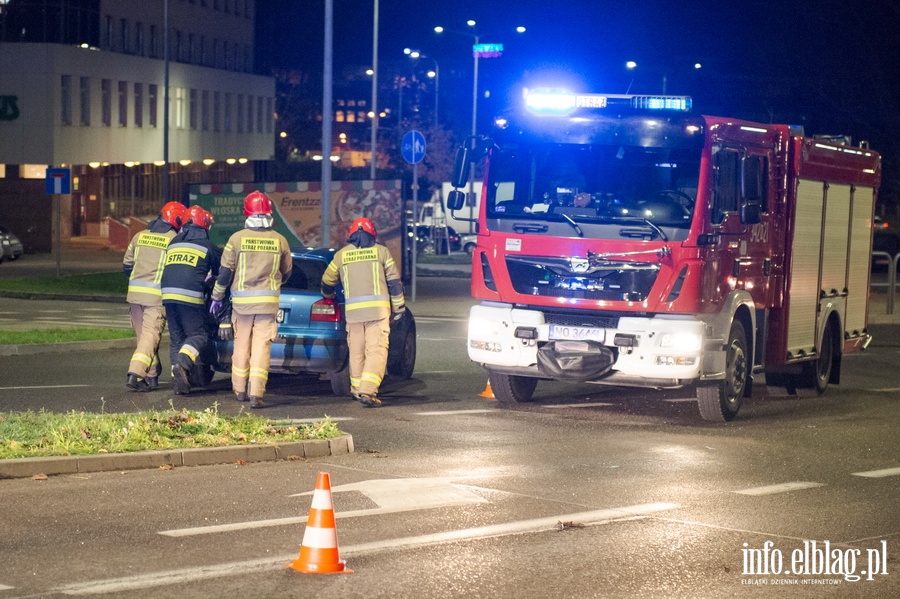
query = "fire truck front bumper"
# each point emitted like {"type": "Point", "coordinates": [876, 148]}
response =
{"type": "Point", "coordinates": [660, 351]}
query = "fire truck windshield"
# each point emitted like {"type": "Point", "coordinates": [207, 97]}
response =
{"type": "Point", "coordinates": [595, 186]}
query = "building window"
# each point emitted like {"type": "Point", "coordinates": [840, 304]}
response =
{"type": "Point", "coordinates": [65, 100]}
{"type": "Point", "coordinates": [190, 48]}
{"type": "Point", "coordinates": [138, 104]}
{"type": "Point", "coordinates": [202, 50]}
{"type": "Point", "coordinates": [339, 116]}
{"type": "Point", "coordinates": [106, 102]}
{"type": "Point", "coordinates": [110, 34]}
{"type": "Point", "coordinates": [226, 48]}
{"type": "Point", "coordinates": [153, 49]}
{"type": "Point", "coordinates": [240, 113]}
{"type": "Point", "coordinates": [217, 110]}
{"type": "Point", "coordinates": [85, 100]}
{"type": "Point", "coordinates": [259, 114]}
{"type": "Point", "coordinates": [153, 100]}
{"type": "Point", "coordinates": [249, 114]}
{"type": "Point", "coordinates": [204, 110]}
{"type": "Point", "coordinates": [123, 103]}
{"type": "Point", "coordinates": [193, 108]}
{"type": "Point", "coordinates": [139, 38]}
{"type": "Point", "coordinates": [269, 115]}
{"type": "Point", "coordinates": [124, 34]}
{"type": "Point", "coordinates": [215, 53]}
{"type": "Point", "coordinates": [177, 50]}
{"type": "Point", "coordinates": [227, 113]}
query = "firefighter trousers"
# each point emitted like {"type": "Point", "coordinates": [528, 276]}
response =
{"type": "Point", "coordinates": [148, 323]}
{"type": "Point", "coordinates": [368, 344]}
{"type": "Point", "coordinates": [253, 336]}
{"type": "Point", "coordinates": [188, 333]}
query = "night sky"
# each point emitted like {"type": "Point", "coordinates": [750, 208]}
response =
{"type": "Point", "coordinates": [830, 65]}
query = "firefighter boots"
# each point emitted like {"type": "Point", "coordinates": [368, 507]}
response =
{"type": "Point", "coordinates": [370, 401]}
{"type": "Point", "coordinates": [180, 380]}
{"type": "Point", "coordinates": [257, 402]}
{"type": "Point", "coordinates": [136, 383]}
{"type": "Point", "coordinates": [153, 382]}
{"type": "Point", "coordinates": [241, 395]}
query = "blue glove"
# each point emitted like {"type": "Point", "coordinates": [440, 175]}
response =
{"type": "Point", "coordinates": [215, 307]}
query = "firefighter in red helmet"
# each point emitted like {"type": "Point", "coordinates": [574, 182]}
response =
{"type": "Point", "coordinates": [191, 261]}
{"type": "Point", "coordinates": [255, 262]}
{"type": "Point", "coordinates": [373, 294]}
{"type": "Point", "coordinates": [143, 264]}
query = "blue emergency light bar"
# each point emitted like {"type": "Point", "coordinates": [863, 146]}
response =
{"type": "Point", "coordinates": [550, 101]}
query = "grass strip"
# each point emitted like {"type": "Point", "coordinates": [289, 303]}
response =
{"type": "Point", "coordinates": [99, 284]}
{"type": "Point", "coordinates": [34, 434]}
{"type": "Point", "coordinates": [62, 335]}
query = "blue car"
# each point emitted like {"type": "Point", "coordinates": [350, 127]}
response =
{"type": "Point", "coordinates": [312, 335]}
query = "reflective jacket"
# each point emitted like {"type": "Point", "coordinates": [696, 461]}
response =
{"type": "Point", "coordinates": [143, 263]}
{"type": "Point", "coordinates": [255, 262]}
{"type": "Point", "coordinates": [190, 257]}
{"type": "Point", "coordinates": [371, 280]}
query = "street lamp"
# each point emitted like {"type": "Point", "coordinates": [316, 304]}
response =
{"type": "Point", "coordinates": [478, 51]}
{"type": "Point", "coordinates": [631, 65]}
{"type": "Point", "coordinates": [434, 74]}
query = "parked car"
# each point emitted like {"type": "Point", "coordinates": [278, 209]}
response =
{"type": "Point", "coordinates": [10, 245]}
{"type": "Point", "coordinates": [884, 239]}
{"type": "Point", "coordinates": [469, 241]}
{"type": "Point", "coordinates": [312, 336]}
{"type": "Point", "coordinates": [433, 240]}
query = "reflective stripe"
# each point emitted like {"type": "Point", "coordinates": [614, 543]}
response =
{"type": "Point", "coordinates": [142, 358]}
{"type": "Point", "coordinates": [189, 351]}
{"type": "Point", "coordinates": [260, 373]}
{"type": "Point", "coordinates": [371, 377]}
{"type": "Point", "coordinates": [240, 373]}
{"type": "Point", "coordinates": [254, 300]}
{"type": "Point", "coordinates": [370, 304]}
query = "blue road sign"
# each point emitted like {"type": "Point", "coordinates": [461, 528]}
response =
{"type": "Point", "coordinates": [413, 147]}
{"type": "Point", "coordinates": [59, 180]}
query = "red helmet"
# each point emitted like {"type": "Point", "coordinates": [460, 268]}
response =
{"type": "Point", "coordinates": [362, 224]}
{"type": "Point", "coordinates": [200, 217]}
{"type": "Point", "coordinates": [174, 213]}
{"type": "Point", "coordinates": [257, 202]}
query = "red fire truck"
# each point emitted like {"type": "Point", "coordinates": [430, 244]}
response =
{"type": "Point", "coordinates": [623, 240]}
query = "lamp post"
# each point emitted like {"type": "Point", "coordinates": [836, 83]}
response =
{"type": "Point", "coordinates": [477, 52]}
{"type": "Point", "coordinates": [434, 74]}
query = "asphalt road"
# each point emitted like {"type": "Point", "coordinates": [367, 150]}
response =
{"type": "Point", "coordinates": [449, 494]}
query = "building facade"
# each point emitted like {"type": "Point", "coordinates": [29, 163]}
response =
{"type": "Point", "coordinates": [84, 84]}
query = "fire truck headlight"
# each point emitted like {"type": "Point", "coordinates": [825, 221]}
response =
{"type": "Point", "coordinates": [681, 341]}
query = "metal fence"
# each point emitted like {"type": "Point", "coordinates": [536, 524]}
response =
{"type": "Point", "coordinates": [890, 286]}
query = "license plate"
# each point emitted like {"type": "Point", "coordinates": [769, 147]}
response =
{"type": "Point", "coordinates": [279, 316]}
{"type": "Point", "coordinates": [577, 333]}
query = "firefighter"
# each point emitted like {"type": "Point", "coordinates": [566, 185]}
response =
{"type": "Point", "coordinates": [192, 260]}
{"type": "Point", "coordinates": [143, 264]}
{"type": "Point", "coordinates": [255, 262]}
{"type": "Point", "coordinates": [373, 295]}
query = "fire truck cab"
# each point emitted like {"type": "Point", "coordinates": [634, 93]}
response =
{"type": "Point", "coordinates": [624, 240]}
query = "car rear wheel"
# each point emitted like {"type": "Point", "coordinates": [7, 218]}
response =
{"type": "Point", "coordinates": [509, 388]}
{"type": "Point", "coordinates": [340, 382]}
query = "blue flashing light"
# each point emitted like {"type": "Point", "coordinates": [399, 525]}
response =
{"type": "Point", "coordinates": [551, 101]}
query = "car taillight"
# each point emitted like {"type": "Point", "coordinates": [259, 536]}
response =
{"type": "Point", "coordinates": [325, 310]}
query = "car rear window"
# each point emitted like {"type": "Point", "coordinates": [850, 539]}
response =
{"type": "Point", "coordinates": [306, 275]}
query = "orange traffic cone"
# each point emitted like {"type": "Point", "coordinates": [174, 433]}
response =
{"type": "Point", "coordinates": [488, 392]}
{"type": "Point", "coordinates": [319, 550]}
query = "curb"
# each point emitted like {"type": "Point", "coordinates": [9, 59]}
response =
{"type": "Point", "coordinates": [202, 456]}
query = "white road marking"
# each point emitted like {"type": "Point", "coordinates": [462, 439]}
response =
{"type": "Point", "coordinates": [4, 587]}
{"type": "Point", "coordinates": [455, 412]}
{"type": "Point", "coordinates": [878, 473]}
{"type": "Point", "coordinates": [42, 387]}
{"type": "Point", "coordinates": [681, 400]}
{"type": "Point", "coordinates": [782, 488]}
{"type": "Point", "coordinates": [579, 405]}
{"type": "Point", "coordinates": [887, 390]}
{"type": "Point", "coordinates": [194, 574]}
{"type": "Point", "coordinates": [392, 495]}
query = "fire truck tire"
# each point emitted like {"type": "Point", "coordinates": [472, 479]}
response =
{"type": "Point", "coordinates": [720, 400]}
{"type": "Point", "coordinates": [817, 373]}
{"type": "Point", "coordinates": [340, 382]}
{"type": "Point", "coordinates": [509, 388]}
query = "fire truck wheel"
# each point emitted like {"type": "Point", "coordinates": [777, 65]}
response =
{"type": "Point", "coordinates": [816, 374]}
{"type": "Point", "coordinates": [720, 400]}
{"type": "Point", "coordinates": [508, 388]}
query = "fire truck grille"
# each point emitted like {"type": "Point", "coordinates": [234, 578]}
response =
{"type": "Point", "coordinates": [554, 278]}
{"type": "Point", "coordinates": [581, 320]}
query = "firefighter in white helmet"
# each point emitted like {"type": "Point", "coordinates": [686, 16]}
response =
{"type": "Point", "coordinates": [255, 262]}
{"type": "Point", "coordinates": [143, 263]}
{"type": "Point", "coordinates": [373, 294]}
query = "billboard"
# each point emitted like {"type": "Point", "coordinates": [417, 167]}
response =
{"type": "Point", "coordinates": [298, 210]}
